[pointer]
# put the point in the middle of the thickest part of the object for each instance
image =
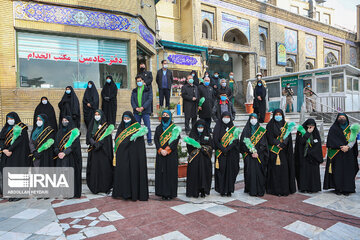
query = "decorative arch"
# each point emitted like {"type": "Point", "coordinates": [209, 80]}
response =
{"type": "Point", "coordinates": [290, 65]}
{"type": "Point", "coordinates": [331, 60]}
{"type": "Point", "coordinates": [207, 29]}
{"type": "Point", "coordinates": [236, 36]}
{"type": "Point", "coordinates": [309, 66]}
{"type": "Point", "coordinates": [262, 42]}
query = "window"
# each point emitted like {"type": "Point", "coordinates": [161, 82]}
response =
{"type": "Point", "coordinates": [305, 12]}
{"type": "Point", "coordinates": [356, 85]}
{"type": "Point", "coordinates": [349, 84]}
{"type": "Point", "coordinates": [263, 72]}
{"type": "Point", "coordinates": [262, 40]}
{"type": "Point", "coordinates": [327, 19]}
{"type": "Point", "coordinates": [290, 65]}
{"type": "Point", "coordinates": [294, 9]}
{"type": "Point", "coordinates": [273, 89]}
{"type": "Point", "coordinates": [236, 36]}
{"type": "Point", "coordinates": [317, 16]}
{"type": "Point", "coordinates": [206, 30]}
{"type": "Point", "coordinates": [330, 60]}
{"type": "Point", "coordinates": [337, 83]}
{"type": "Point", "coordinates": [309, 66]}
{"type": "Point", "coordinates": [322, 85]}
{"type": "Point", "coordinates": [50, 61]}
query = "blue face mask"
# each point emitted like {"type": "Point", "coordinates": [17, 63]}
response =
{"type": "Point", "coordinates": [259, 84]}
{"type": "Point", "coordinates": [68, 91]}
{"type": "Point", "coordinates": [139, 84]}
{"type": "Point", "coordinates": [90, 86]}
{"type": "Point", "coordinates": [278, 118]}
{"type": "Point", "coordinates": [207, 83]}
{"type": "Point", "coordinates": [223, 84]}
{"type": "Point", "coordinates": [215, 75]}
{"type": "Point", "coordinates": [191, 80]}
{"type": "Point", "coordinates": [193, 74]}
{"type": "Point", "coordinates": [108, 80]}
{"type": "Point", "coordinates": [223, 98]}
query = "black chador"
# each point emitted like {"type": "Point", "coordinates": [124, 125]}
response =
{"type": "Point", "coordinates": [42, 140]}
{"type": "Point", "coordinates": [130, 174]}
{"type": "Point", "coordinates": [69, 106]}
{"type": "Point", "coordinates": [260, 104]}
{"type": "Point", "coordinates": [68, 151]}
{"type": "Point", "coordinates": [199, 170]}
{"type": "Point", "coordinates": [109, 103]}
{"type": "Point", "coordinates": [90, 102]}
{"type": "Point", "coordinates": [166, 139]}
{"type": "Point", "coordinates": [99, 169]}
{"type": "Point", "coordinates": [227, 154]}
{"type": "Point", "coordinates": [255, 152]}
{"type": "Point", "coordinates": [308, 157]}
{"type": "Point", "coordinates": [341, 164]}
{"type": "Point", "coordinates": [281, 169]}
{"type": "Point", "coordinates": [45, 107]}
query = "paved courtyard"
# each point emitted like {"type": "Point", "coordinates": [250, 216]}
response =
{"type": "Point", "coordinates": [299, 216]}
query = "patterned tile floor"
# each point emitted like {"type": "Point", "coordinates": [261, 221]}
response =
{"type": "Point", "coordinates": [322, 215]}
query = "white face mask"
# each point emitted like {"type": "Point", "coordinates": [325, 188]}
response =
{"type": "Point", "coordinates": [200, 130]}
{"type": "Point", "coordinates": [165, 66]}
{"type": "Point", "coordinates": [39, 123]}
{"type": "Point", "coordinates": [11, 122]}
{"type": "Point", "coordinates": [253, 121]}
{"type": "Point", "coordinates": [127, 121]}
{"type": "Point", "coordinates": [44, 101]}
{"type": "Point", "coordinates": [226, 120]}
{"type": "Point", "coordinates": [97, 117]}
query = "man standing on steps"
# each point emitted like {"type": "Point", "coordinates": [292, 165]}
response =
{"type": "Point", "coordinates": [148, 78]}
{"type": "Point", "coordinates": [205, 110]}
{"type": "Point", "coordinates": [224, 89]}
{"type": "Point", "coordinates": [164, 79]}
{"type": "Point", "coordinates": [289, 93]}
{"type": "Point", "coordinates": [141, 100]}
{"type": "Point", "coordinates": [190, 95]}
{"type": "Point", "coordinates": [309, 98]}
{"type": "Point", "coordinates": [221, 106]}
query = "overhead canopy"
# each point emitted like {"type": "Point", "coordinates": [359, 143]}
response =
{"type": "Point", "coordinates": [184, 47]}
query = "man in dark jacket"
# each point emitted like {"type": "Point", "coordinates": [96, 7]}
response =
{"type": "Point", "coordinates": [190, 95]}
{"type": "Point", "coordinates": [207, 92]}
{"type": "Point", "coordinates": [164, 79]}
{"type": "Point", "coordinates": [148, 78]}
{"type": "Point", "coordinates": [223, 105]}
{"type": "Point", "coordinates": [141, 99]}
{"type": "Point", "coordinates": [224, 89]}
{"type": "Point", "coordinates": [215, 81]}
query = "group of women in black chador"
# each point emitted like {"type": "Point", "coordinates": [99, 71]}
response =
{"type": "Point", "coordinates": [270, 164]}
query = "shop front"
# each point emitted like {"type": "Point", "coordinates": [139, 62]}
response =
{"type": "Point", "coordinates": [182, 59]}
{"type": "Point", "coordinates": [61, 45]}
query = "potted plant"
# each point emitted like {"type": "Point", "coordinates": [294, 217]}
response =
{"type": "Point", "coordinates": [267, 117]}
{"type": "Point", "coordinates": [182, 167]}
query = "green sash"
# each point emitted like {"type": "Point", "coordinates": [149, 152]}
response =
{"type": "Point", "coordinates": [10, 134]}
{"type": "Point", "coordinates": [225, 140]}
{"type": "Point", "coordinates": [166, 135]}
{"type": "Point", "coordinates": [99, 133]}
{"type": "Point", "coordinates": [255, 138]}
{"type": "Point", "coordinates": [332, 152]}
{"type": "Point", "coordinates": [275, 149]}
{"type": "Point", "coordinates": [125, 133]}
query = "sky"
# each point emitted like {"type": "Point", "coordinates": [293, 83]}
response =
{"type": "Point", "coordinates": [345, 12]}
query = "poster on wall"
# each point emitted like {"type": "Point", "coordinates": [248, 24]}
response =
{"type": "Point", "coordinates": [280, 54]}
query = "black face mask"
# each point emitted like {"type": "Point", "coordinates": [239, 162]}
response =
{"type": "Point", "coordinates": [342, 121]}
{"type": "Point", "coordinates": [142, 69]}
{"type": "Point", "coordinates": [165, 119]}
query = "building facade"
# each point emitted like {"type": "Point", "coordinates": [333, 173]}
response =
{"type": "Point", "coordinates": [48, 45]}
{"type": "Point", "coordinates": [248, 36]}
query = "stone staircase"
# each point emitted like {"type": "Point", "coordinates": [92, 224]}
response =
{"type": "Point", "coordinates": [240, 121]}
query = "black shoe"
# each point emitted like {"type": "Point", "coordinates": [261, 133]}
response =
{"type": "Point", "coordinates": [337, 192]}
{"type": "Point", "coordinates": [222, 194]}
{"type": "Point", "coordinates": [202, 194]}
{"type": "Point", "coordinates": [163, 198]}
{"type": "Point", "coordinates": [346, 193]}
{"type": "Point", "coordinates": [229, 194]}
{"type": "Point", "coordinates": [150, 144]}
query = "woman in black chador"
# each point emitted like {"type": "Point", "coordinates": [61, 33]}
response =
{"type": "Point", "coordinates": [99, 169]}
{"type": "Point", "coordinates": [260, 101]}
{"type": "Point", "coordinates": [14, 144]}
{"type": "Point", "coordinates": [254, 148]}
{"type": "Point", "coordinates": [341, 164]}
{"type": "Point", "coordinates": [130, 173]}
{"type": "Point", "coordinates": [42, 143]}
{"type": "Point", "coordinates": [227, 155]}
{"type": "Point", "coordinates": [68, 151]}
{"type": "Point", "coordinates": [45, 107]}
{"type": "Point", "coordinates": [109, 103]}
{"type": "Point", "coordinates": [167, 136]}
{"type": "Point", "coordinates": [281, 169]}
{"type": "Point", "coordinates": [69, 106]}
{"type": "Point", "coordinates": [308, 157]}
{"type": "Point", "coordinates": [90, 102]}
{"type": "Point", "coordinates": [199, 170]}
